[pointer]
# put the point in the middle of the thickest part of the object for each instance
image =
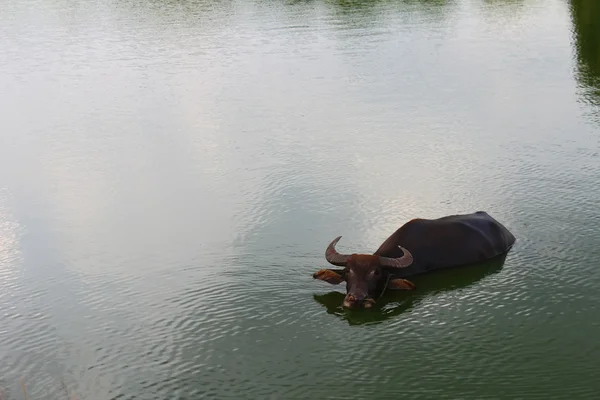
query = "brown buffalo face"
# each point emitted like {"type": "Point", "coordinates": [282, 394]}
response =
{"type": "Point", "coordinates": [365, 280]}
{"type": "Point", "coordinates": [366, 276]}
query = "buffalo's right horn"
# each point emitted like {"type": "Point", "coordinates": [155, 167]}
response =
{"type": "Point", "coordinates": [333, 257]}
{"type": "Point", "coordinates": [400, 262]}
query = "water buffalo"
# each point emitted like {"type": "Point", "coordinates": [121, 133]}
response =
{"type": "Point", "coordinates": [419, 246]}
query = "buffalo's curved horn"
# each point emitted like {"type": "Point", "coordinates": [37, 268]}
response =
{"type": "Point", "coordinates": [333, 257]}
{"type": "Point", "coordinates": [400, 262]}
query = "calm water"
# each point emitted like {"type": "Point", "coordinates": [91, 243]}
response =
{"type": "Point", "coordinates": [172, 171]}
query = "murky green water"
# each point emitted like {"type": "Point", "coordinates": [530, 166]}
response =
{"type": "Point", "coordinates": [172, 171]}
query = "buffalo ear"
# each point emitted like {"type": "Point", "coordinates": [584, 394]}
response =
{"type": "Point", "coordinates": [400, 284]}
{"type": "Point", "coordinates": [333, 276]}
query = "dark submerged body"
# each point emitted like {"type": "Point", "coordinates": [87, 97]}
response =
{"type": "Point", "coordinates": [447, 242]}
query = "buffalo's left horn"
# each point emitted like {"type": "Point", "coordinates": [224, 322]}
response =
{"type": "Point", "coordinates": [333, 257]}
{"type": "Point", "coordinates": [400, 262]}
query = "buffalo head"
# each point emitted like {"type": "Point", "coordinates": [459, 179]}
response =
{"type": "Point", "coordinates": [366, 276]}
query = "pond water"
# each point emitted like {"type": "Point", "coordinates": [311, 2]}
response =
{"type": "Point", "coordinates": [172, 171]}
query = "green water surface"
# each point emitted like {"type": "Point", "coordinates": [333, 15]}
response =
{"type": "Point", "coordinates": [172, 171]}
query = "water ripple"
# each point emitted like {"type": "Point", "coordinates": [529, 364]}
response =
{"type": "Point", "coordinates": [171, 200]}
